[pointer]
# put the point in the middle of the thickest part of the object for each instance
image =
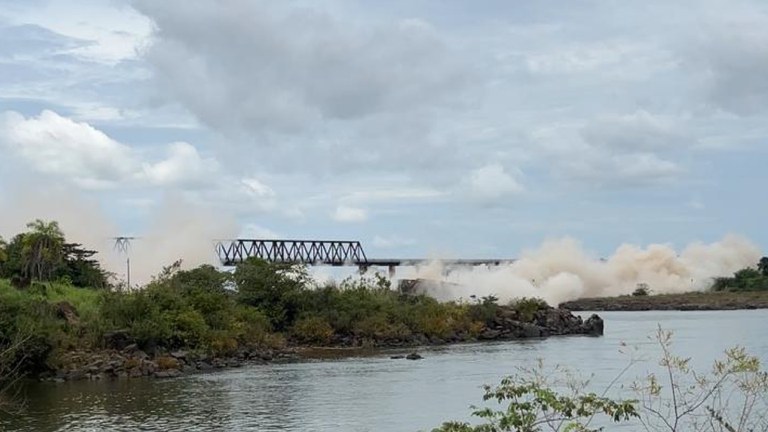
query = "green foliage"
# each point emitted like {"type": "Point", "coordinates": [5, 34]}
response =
{"type": "Point", "coordinates": [763, 266]}
{"type": "Point", "coordinates": [29, 330]}
{"type": "Point", "coordinates": [313, 330]}
{"type": "Point", "coordinates": [484, 310]}
{"type": "Point", "coordinates": [533, 405]}
{"type": "Point", "coordinates": [730, 397]}
{"type": "Point", "coordinates": [527, 307]}
{"type": "Point", "coordinates": [748, 279]}
{"type": "Point", "coordinates": [43, 254]}
{"type": "Point", "coordinates": [274, 288]}
{"type": "Point", "coordinates": [641, 290]}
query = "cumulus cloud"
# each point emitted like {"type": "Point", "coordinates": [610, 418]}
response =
{"type": "Point", "coordinates": [345, 213]}
{"type": "Point", "coordinates": [56, 145]}
{"type": "Point", "coordinates": [492, 182]}
{"type": "Point", "coordinates": [87, 157]}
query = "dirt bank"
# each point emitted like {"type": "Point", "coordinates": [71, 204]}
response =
{"type": "Point", "coordinates": [683, 302]}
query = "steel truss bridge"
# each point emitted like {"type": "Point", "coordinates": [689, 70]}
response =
{"type": "Point", "coordinates": [323, 252]}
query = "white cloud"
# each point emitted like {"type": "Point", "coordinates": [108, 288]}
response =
{"type": "Point", "coordinates": [256, 188]}
{"type": "Point", "coordinates": [183, 167]}
{"type": "Point", "coordinates": [77, 152]}
{"type": "Point", "coordinates": [349, 214]}
{"type": "Point", "coordinates": [492, 182]}
{"type": "Point", "coordinates": [56, 145]}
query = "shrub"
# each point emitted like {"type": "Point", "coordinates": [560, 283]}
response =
{"type": "Point", "coordinates": [484, 310]}
{"type": "Point", "coordinates": [189, 327]}
{"type": "Point", "coordinates": [527, 307]}
{"type": "Point", "coordinates": [378, 327]}
{"type": "Point", "coordinates": [312, 329]}
{"type": "Point", "coordinates": [642, 290]}
{"type": "Point", "coordinates": [274, 288]}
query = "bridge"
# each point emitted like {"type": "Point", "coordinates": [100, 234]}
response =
{"type": "Point", "coordinates": [323, 252]}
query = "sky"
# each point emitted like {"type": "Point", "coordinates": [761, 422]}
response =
{"type": "Point", "coordinates": [421, 128]}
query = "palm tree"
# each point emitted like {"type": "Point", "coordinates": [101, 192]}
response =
{"type": "Point", "coordinates": [42, 250]}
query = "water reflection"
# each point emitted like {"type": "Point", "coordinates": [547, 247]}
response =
{"type": "Point", "coordinates": [370, 393]}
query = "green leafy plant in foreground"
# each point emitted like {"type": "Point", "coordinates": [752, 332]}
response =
{"type": "Point", "coordinates": [731, 397]}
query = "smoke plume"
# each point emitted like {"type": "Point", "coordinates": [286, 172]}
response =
{"type": "Point", "coordinates": [560, 270]}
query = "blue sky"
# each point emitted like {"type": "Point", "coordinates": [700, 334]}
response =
{"type": "Point", "coordinates": [418, 127]}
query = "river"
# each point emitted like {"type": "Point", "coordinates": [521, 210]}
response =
{"type": "Point", "coordinates": [374, 393]}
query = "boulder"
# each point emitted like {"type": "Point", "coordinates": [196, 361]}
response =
{"type": "Point", "coordinates": [594, 325]}
{"type": "Point", "coordinates": [413, 356]}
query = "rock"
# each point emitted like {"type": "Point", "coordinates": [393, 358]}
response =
{"type": "Point", "coordinates": [489, 334]}
{"type": "Point", "coordinates": [397, 357]}
{"type": "Point", "coordinates": [170, 373]}
{"type": "Point", "coordinates": [413, 356]}
{"type": "Point", "coordinates": [67, 312]}
{"type": "Point", "coordinates": [180, 355]}
{"type": "Point", "coordinates": [118, 339]}
{"type": "Point", "coordinates": [594, 325]}
{"type": "Point", "coordinates": [531, 330]}
{"type": "Point", "coordinates": [131, 348]}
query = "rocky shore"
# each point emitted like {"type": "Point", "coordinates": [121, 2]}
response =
{"type": "Point", "coordinates": [123, 359]}
{"type": "Point", "coordinates": [695, 301]}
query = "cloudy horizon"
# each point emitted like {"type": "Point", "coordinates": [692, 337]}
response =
{"type": "Point", "coordinates": [419, 128]}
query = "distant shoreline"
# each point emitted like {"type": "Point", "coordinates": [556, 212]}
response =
{"type": "Point", "coordinates": [691, 301]}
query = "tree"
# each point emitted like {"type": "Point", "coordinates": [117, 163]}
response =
{"type": "Point", "coordinates": [42, 252]}
{"type": "Point", "coordinates": [763, 266]}
{"type": "Point", "coordinates": [81, 269]}
{"type": "Point", "coordinates": [3, 254]}
{"type": "Point", "coordinates": [274, 288]}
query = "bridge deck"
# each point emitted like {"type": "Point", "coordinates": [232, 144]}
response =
{"type": "Point", "coordinates": [324, 252]}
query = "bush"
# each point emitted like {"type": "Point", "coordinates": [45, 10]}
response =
{"type": "Point", "coordinates": [527, 307]}
{"type": "Point", "coordinates": [642, 290]}
{"type": "Point", "coordinates": [312, 329]}
{"type": "Point", "coordinates": [484, 310]}
{"type": "Point", "coordinates": [274, 288]}
{"type": "Point", "coordinates": [731, 397]}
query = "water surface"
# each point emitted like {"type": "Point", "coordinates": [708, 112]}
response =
{"type": "Point", "coordinates": [373, 393]}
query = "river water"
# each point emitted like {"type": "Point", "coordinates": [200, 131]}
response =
{"type": "Point", "coordinates": [375, 393]}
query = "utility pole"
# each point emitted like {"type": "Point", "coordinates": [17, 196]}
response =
{"type": "Point", "coordinates": [123, 245]}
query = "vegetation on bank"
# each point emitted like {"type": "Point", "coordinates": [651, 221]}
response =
{"type": "Point", "coordinates": [49, 308]}
{"type": "Point", "coordinates": [748, 279]}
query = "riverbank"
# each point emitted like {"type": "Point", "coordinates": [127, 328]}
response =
{"type": "Point", "coordinates": [124, 359]}
{"type": "Point", "coordinates": [692, 301]}
{"type": "Point", "coordinates": [189, 321]}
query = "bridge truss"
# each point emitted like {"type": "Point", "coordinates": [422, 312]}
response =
{"type": "Point", "coordinates": [312, 252]}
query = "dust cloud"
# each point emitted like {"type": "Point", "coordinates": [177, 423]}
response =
{"type": "Point", "coordinates": [177, 229]}
{"type": "Point", "coordinates": [561, 270]}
